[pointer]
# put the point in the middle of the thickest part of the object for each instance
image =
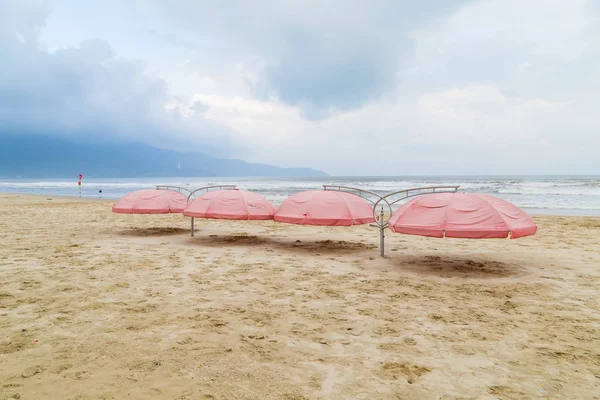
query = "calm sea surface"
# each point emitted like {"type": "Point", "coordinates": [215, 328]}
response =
{"type": "Point", "coordinates": [564, 195]}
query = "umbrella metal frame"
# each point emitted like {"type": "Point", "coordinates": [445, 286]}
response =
{"type": "Point", "coordinates": [174, 188]}
{"type": "Point", "coordinates": [388, 200]}
{"type": "Point", "coordinates": [206, 189]}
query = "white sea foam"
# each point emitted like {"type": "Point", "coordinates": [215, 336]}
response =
{"type": "Point", "coordinates": [574, 193]}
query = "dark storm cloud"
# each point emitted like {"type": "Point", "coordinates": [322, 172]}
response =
{"type": "Point", "coordinates": [323, 57]}
{"type": "Point", "coordinates": [86, 92]}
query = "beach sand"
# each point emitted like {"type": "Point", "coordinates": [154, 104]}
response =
{"type": "Point", "coordinates": [95, 305]}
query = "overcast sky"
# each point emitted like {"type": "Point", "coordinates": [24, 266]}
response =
{"type": "Point", "coordinates": [382, 87]}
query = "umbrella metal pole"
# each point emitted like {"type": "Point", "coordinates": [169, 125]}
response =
{"type": "Point", "coordinates": [381, 235]}
{"type": "Point", "coordinates": [192, 234]}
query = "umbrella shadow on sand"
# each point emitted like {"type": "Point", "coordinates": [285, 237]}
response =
{"type": "Point", "coordinates": [453, 266]}
{"type": "Point", "coordinates": [272, 244]}
{"type": "Point", "coordinates": [152, 231]}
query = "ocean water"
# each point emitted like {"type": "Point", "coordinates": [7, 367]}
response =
{"type": "Point", "coordinates": [561, 195]}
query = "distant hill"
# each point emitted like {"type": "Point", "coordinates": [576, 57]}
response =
{"type": "Point", "coordinates": [43, 157]}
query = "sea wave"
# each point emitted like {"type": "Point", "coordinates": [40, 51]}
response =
{"type": "Point", "coordinates": [559, 193]}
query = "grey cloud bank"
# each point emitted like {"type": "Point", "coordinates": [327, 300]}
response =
{"type": "Point", "coordinates": [87, 92]}
{"type": "Point", "coordinates": [322, 57]}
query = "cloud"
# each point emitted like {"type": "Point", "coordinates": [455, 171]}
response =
{"type": "Point", "coordinates": [473, 129]}
{"type": "Point", "coordinates": [320, 57]}
{"type": "Point", "coordinates": [533, 47]}
{"type": "Point", "coordinates": [23, 19]}
{"type": "Point", "coordinates": [171, 39]}
{"type": "Point", "coordinates": [87, 92]}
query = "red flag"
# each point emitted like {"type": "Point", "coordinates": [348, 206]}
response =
{"type": "Point", "coordinates": [80, 176]}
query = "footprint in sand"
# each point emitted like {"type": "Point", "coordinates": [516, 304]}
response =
{"type": "Point", "coordinates": [411, 372]}
{"type": "Point", "coordinates": [79, 375]}
{"type": "Point", "coordinates": [145, 365]}
{"type": "Point", "coordinates": [32, 371]}
{"type": "Point", "coordinates": [60, 368]}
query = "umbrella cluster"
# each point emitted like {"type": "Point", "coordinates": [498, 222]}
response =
{"type": "Point", "coordinates": [313, 207]}
{"type": "Point", "coordinates": [457, 215]}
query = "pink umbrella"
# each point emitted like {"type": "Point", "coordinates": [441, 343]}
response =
{"type": "Point", "coordinates": [230, 204]}
{"type": "Point", "coordinates": [326, 208]}
{"type": "Point", "coordinates": [461, 215]}
{"type": "Point", "coordinates": [152, 201]}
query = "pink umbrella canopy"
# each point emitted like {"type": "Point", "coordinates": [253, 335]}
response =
{"type": "Point", "coordinates": [325, 208]}
{"type": "Point", "coordinates": [151, 202]}
{"type": "Point", "coordinates": [230, 204]}
{"type": "Point", "coordinates": [461, 215]}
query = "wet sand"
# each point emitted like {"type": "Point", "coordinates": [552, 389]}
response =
{"type": "Point", "coordinates": [95, 305]}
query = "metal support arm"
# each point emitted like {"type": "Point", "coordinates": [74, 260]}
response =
{"type": "Point", "coordinates": [175, 188]}
{"type": "Point", "coordinates": [206, 189]}
{"type": "Point", "coordinates": [387, 200]}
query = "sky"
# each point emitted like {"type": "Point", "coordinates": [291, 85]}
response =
{"type": "Point", "coordinates": [386, 87]}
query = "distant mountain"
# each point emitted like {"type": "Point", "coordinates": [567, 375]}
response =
{"type": "Point", "coordinates": [43, 157]}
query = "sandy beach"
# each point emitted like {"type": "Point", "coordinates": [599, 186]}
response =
{"type": "Point", "coordinates": [95, 305]}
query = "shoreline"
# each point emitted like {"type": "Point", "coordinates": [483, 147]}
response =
{"type": "Point", "coordinates": [7, 195]}
{"type": "Point", "coordinates": [557, 212]}
{"type": "Point", "coordinates": [561, 212]}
